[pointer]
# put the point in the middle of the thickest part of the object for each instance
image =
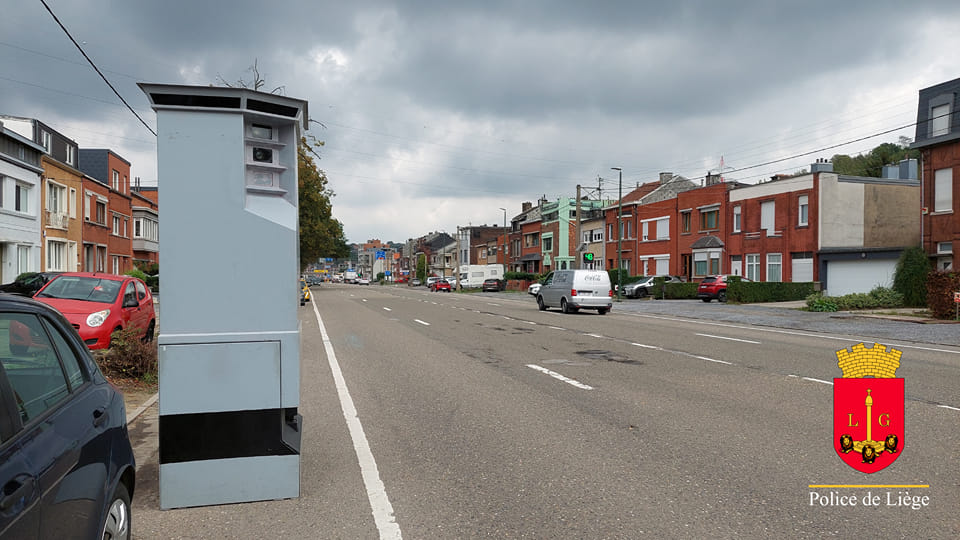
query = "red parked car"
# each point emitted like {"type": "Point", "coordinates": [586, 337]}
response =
{"type": "Point", "coordinates": [98, 304]}
{"type": "Point", "coordinates": [714, 287]}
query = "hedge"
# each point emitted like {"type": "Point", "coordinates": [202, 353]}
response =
{"type": "Point", "coordinates": [940, 289]}
{"type": "Point", "coordinates": [748, 292]}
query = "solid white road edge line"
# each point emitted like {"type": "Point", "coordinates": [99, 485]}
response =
{"type": "Point", "coordinates": [560, 377]}
{"type": "Point", "coordinates": [713, 360]}
{"type": "Point", "coordinates": [811, 379]}
{"type": "Point", "coordinates": [730, 338]}
{"type": "Point", "coordinates": [422, 322]}
{"type": "Point", "coordinates": [376, 492]}
{"type": "Point", "coordinates": [387, 309]}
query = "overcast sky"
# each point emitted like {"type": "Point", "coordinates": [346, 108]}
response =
{"type": "Point", "coordinates": [439, 115]}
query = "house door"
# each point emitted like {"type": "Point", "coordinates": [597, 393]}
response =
{"type": "Point", "coordinates": [736, 265]}
{"type": "Point", "coordinates": [685, 263]}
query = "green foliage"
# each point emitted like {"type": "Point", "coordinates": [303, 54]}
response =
{"type": "Point", "coordinates": [320, 234]}
{"type": "Point", "coordinates": [910, 277]}
{"type": "Point", "coordinates": [749, 292]}
{"type": "Point", "coordinates": [381, 276]}
{"type": "Point", "coordinates": [940, 289]}
{"type": "Point", "coordinates": [818, 302]}
{"type": "Point", "coordinates": [871, 164]}
{"type": "Point", "coordinates": [521, 276]}
{"type": "Point", "coordinates": [615, 274]}
{"type": "Point", "coordinates": [680, 291]}
{"type": "Point", "coordinates": [422, 267]}
{"type": "Point", "coordinates": [129, 356]}
{"type": "Point", "coordinates": [878, 298]}
{"type": "Point", "coordinates": [137, 273]}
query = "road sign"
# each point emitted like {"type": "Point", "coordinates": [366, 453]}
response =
{"type": "Point", "coordinates": [588, 257]}
{"type": "Point", "coordinates": [381, 254]}
{"type": "Point", "coordinates": [956, 297]}
{"type": "Point", "coordinates": [387, 273]}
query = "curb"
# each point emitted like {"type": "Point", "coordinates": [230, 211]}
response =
{"type": "Point", "coordinates": [143, 408]}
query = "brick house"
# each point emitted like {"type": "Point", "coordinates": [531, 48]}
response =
{"type": "Point", "coordinates": [113, 171]}
{"type": "Point", "coordinates": [525, 240]}
{"type": "Point", "coordinates": [938, 139]}
{"type": "Point", "coordinates": [703, 230]}
{"type": "Point", "coordinates": [96, 225]}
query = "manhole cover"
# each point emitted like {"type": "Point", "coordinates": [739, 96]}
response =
{"type": "Point", "coordinates": [607, 356]}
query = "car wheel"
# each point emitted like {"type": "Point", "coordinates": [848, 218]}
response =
{"type": "Point", "coordinates": [603, 311]}
{"type": "Point", "coordinates": [722, 296]}
{"type": "Point", "coordinates": [540, 304]}
{"type": "Point", "coordinates": [707, 300]}
{"type": "Point", "coordinates": [116, 521]}
{"type": "Point", "coordinates": [563, 306]}
{"type": "Point", "coordinates": [148, 335]}
{"type": "Point", "coordinates": [641, 292]}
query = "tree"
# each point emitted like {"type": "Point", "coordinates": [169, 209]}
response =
{"type": "Point", "coordinates": [871, 164]}
{"type": "Point", "coordinates": [320, 234]}
{"type": "Point", "coordinates": [910, 276]}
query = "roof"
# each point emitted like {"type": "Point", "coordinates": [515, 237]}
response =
{"type": "Point", "coordinates": [708, 241]}
{"type": "Point", "coordinates": [640, 191]}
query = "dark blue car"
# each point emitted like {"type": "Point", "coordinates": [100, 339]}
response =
{"type": "Point", "coordinates": [66, 464]}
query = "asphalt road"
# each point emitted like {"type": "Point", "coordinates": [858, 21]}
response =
{"type": "Point", "coordinates": [476, 415]}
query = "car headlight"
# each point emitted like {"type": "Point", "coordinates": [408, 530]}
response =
{"type": "Point", "coordinates": [96, 319]}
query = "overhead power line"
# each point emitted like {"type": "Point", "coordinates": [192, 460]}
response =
{"type": "Point", "coordinates": [94, 66]}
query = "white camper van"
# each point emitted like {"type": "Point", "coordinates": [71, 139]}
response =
{"type": "Point", "coordinates": [572, 290]}
{"type": "Point", "coordinates": [472, 276]}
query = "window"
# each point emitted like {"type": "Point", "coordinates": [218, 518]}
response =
{"type": "Point", "coordinates": [774, 265]}
{"type": "Point", "coordinates": [700, 264]}
{"type": "Point", "coordinates": [23, 259]}
{"type": "Point", "coordinates": [72, 203]}
{"type": "Point", "coordinates": [548, 244]}
{"type": "Point", "coordinates": [21, 198]}
{"type": "Point", "coordinates": [646, 230]}
{"type": "Point", "coordinates": [116, 265]}
{"type": "Point", "coordinates": [45, 140]}
{"type": "Point", "coordinates": [736, 218]}
{"type": "Point", "coordinates": [56, 198]}
{"type": "Point", "coordinates": [597, 235]}
{"type": "Point", "coordinates": [753, 267]}
{"type": "Point", "coordinates": [944, 247]}
{"type": "Point", "coordinates": [116, 180]}
{"type": "Point", "coordinates": [43, 385]}
{"type": "Point", "coordinates": [101, 212]}
{"type": "Point", "coordinates": [943, 190]}
{"type": "Point", "coordinates": [56, 256]}
{"type": "Point", "coordinates": [709, 219]}
{"type": "Point", "coordinates": [803, 210]}
{"type": "Point", "coordinates": [71, 156]}
{"type": "Point", "coordinates": [116, 225]}
{"type": "Point", "coordinates": [138, 228]}
{"type": "Point", "coordinates": [663, 228]}
{"type": "Point", "coordinates": [685, 222]}
{"type": "Point", "coordinates": [768, 217]}
{"type": "Point", "coordinates": [715, 263]}
{"type": "Point", "coordinates": [940, 120]}
{"type": "Point", "coordinates": [625, 265]}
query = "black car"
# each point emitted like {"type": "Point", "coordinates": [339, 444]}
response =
{"type": "Point", "coordinates": [28, 283]}
{"type": "Point", "coordinates": [66, 465]}
{"type": "Point", "coordinates": [494, 285]}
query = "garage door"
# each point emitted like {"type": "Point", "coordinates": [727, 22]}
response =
{"type": "Point", "coordinates": [845, 277]}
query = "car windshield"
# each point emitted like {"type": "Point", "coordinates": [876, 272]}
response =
{"type": "Point", "coordinates": [90, 289]}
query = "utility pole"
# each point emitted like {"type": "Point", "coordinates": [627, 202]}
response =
{"type": "Point", "coordinates": [619, 236]}
{"type": "Point", "coordinates": [577, 254]}
{"type": "Point", "coordinates": [459, 288]}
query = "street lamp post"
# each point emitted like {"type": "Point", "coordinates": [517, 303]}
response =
{"type": "Point", "coordinates": [619, 235]}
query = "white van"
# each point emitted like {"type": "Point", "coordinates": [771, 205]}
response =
{"type": "Point", "coordinates": [572, 290]}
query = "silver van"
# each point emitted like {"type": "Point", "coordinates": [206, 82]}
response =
{"type": "Point", "coordinates": [572, 290]}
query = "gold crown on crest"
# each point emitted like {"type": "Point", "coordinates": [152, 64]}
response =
{"type": "Point", "coordinates": [877, 362]}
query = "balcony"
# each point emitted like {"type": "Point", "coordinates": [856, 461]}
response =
{"type": "Point", "coordinates": [59, 220]}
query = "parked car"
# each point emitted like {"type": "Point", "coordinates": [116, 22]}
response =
{"type": "Point", "coordinates": [644, 287]}
{"type": "Point", "coordinates": [28, 283]}
{"type": "Point", "coordinates": [66, 463]}
{"type": "Point", "coordinates": [431, 280]}
{"type": "Point", "coordinates": [363, 281]}
{"type": "Point", "coordinates": [442, 285]}
{"type": "Point", "coordinates": [99, 304]}
{"type": "Point", "coordinates": [572, 290]}
{"type": "Point", "coordinates": [492, 284]}
{"type": "Point", "coordinates": [714, 287]}
{"type": "Point", "coordinates": [414, 283]}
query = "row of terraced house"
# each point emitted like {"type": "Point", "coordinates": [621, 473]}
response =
{"type": "Point", "coordinates": [845, 232]}
{"type": "Point", "coordinates": [69, 209]}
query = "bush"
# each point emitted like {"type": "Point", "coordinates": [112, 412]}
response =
{"type": "Point", "coordinates": [521, 276]}
{"type": "Point", "coordinates": [137, 273]}
{"type": "Point", "coordinates": [818, 302]}
{"type": "Point", "coordinates": [940, 289]}
{"type": "Point", "coordinates": [681, 291]}
{"type": "Point", "coordinates": [767, 291]}
{"type": "Point", "coordinates": [910, 277]}
{"type": "Point", "coordinates": [129, 356]}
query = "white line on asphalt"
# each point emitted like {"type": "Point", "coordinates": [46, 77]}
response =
{"type": "Point", "coordinates": [647, 346]}
{"type": "Point", "coordinates": [387, 309]}
{"type": "Point", "coordinates": [730, 338]}
{"type": "Point", "coordinates": [376, 492]}
{"type": "Point", "coordinates": [491, 304]}
{"type": "Point", "coordinates": [803, 334]}
{"type": "Point", "coordinates": [712, 360]}
{"type": "Point", "coordinates": [560, 377]}
{"type": "Point", "coordinates": [531, 322]}
{"type": "Point", "coordinates": [811, 379]}
{"type": "Point", "coordinates": [948, 407]}
{"type": "Point", "coordinates": [595, 335]}
{"type": "Point", "coordinates": [364, 300]}
{"type": "Point", "coordinates": [422, 322]}
{"type": "Point", "coordinates": [556, 328]}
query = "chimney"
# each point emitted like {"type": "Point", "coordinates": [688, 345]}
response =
{"type": "Point", "coordinates": [821, 165]}
{"type": "Point", "coordinates": [908, 169]}
{"type": "Point", "coordinates": [666, 177]}
{"type": "Point", "coordinates": [712, 178]}
{"type": "Point", "coordinates": [526, 206]}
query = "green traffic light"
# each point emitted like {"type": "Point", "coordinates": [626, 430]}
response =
{"type": "Point", "coordinates": [588, 257]}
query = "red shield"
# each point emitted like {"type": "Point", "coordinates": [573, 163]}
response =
{"type": "Point", "coordinates": [868, 422]}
